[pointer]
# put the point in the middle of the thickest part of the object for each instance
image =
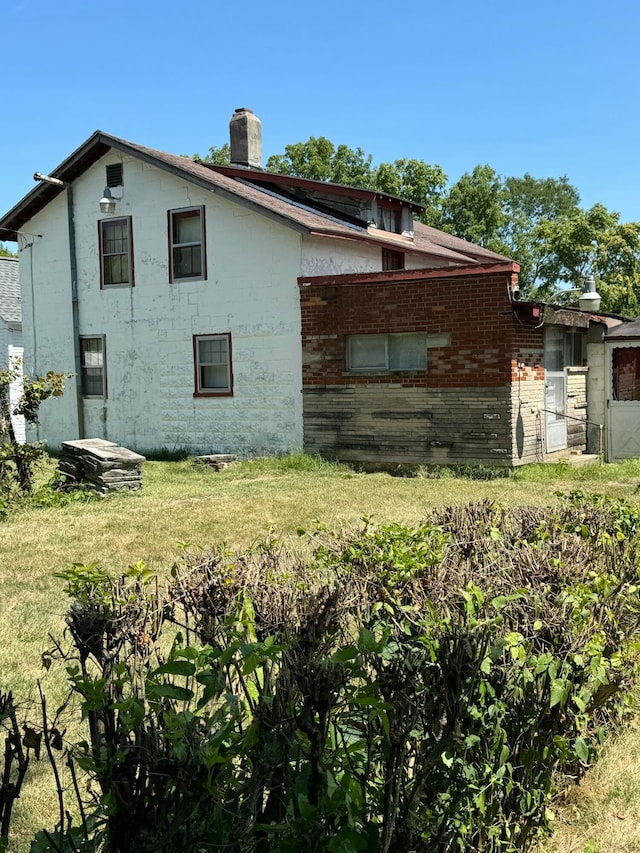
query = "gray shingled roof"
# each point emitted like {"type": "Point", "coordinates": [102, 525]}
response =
{"type": "Point", "coordinates": [10, 310]}
{"type": "Point", "coordinates": [245, 189]}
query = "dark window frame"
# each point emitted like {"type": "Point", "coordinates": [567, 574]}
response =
{"type": "Point", "coordinates": [201, 390]}
{"type": "Point", "coordinates": [173, 245]}
{"type": "Point", "coordinates": [392, 260]}
{"type": "Point", "coordinates": [102, 367]}
{"type": "Point", "coordinates": [102, 226]}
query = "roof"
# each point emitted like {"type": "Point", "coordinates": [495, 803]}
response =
{"type": "Point", "coordinates": [625, 331]}
{"type": "Point", "coordinates": [10, 310]}
{"type": "Point", "coordinates": [261, 191]}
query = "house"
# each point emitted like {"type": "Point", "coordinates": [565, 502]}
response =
{"type": "Point", "coordinates": [230, 310]}
{"type": "Point", "coordinates": [11, 353]}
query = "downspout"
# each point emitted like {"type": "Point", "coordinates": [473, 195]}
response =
{"type": "Point", "coordinates": [73, 266]}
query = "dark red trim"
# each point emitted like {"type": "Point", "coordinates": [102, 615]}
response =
{"type": "Point", "coordinates": [407, 275]}
{"type": "Point", "coordinates": [197, 393]}
{"type": "Point", "coordinates": [169, 246]}
{"type": "Point", "coordinates": [203, 247]}
{"type": "Point", "coordinates": [132, 283]}
{"type": "Point", "coordinates": [256, 176]}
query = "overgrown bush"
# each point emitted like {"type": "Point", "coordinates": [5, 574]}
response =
{"type": "Point", "coordinates": [18, 460]}
{"type": "Point", "coordinates": [410, 689]}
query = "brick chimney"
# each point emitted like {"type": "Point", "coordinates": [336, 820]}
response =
{"type": "Point", "coordinates": [245, 133]}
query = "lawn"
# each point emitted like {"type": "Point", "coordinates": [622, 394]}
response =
{"type": "Point", "coordinates": [183, 504]}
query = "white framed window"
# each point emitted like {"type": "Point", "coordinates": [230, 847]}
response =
{"type": "Point", "coordinates": [401, 351]}
{"type": "Point", "coordinates": [93, 361]}
{"type": "Point", "coordinates": [116, 251]}
{"type": "Point", "coordinates": [212, 363]}
{"type": "Point", "coordinates": [187, 244]}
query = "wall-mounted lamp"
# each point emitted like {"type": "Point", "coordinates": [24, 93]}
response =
{"type": "Point", "coordinates": [590, 299]}
{"type": "Point", "coordinates": [107, 202]}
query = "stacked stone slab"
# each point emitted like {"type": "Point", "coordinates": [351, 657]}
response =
{"type": "Point", "coordinates": [217, 461]}
{"type": "Point", "coordinates": [103, 465]}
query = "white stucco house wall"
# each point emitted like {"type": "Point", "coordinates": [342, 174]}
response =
{"type": "Point", "coordinates": [11, 350]}
{"type": "Point", "coordinates": [170, 289]}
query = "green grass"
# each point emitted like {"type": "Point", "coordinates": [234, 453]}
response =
{"type": "Point", "coordinates": [184, 503]}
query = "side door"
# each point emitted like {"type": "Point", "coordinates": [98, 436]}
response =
{"type": "Point", "coordinates": [623, 401]}
{"type": "Point", "coordinates": [555, 389]}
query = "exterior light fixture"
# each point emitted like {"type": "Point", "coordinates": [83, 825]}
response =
{"type": "Point", "coordinates": [107, 202]}
{"type": "Point", "coordinates": [589, 299]}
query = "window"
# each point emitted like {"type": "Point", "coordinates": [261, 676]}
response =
{"type": "Point", "coordinates": [626, 373]}
{"type": "Point", "coordinates": [212, 357]}
{"type": "Point", "coordinates": [388, 217]}
{"type": "Point", "coordinates": [94, 374]}
{"type": "Point", "coordinates": [116, 255]}
{"type": "Point", "coordinates": [387, 352]}
{"type": "Point", "coordinates": [186, 244]}
{"type": "Point", "coordinates": [392, 260]}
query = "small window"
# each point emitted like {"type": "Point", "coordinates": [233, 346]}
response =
{"type": "Point", "coordinates": [94, 374]}
{"type": "Point", "coordinates": [186, 244]}
{"type": "Point", "coordinates": [392, 260]}
{"type": "Point", "coordinates": [406, 351]}
{"type": "Point", "coordinates": [116, 256]}
{"type": "Point", "coordinates": [212, 356]}
{"type": "Point", "coordinates": [626, 374]}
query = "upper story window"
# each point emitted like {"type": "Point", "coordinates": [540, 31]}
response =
{"type": "Point", "coordinates": [392, 260]}
{"type": "Point", "coordinates": [389, 218]}
{"type": "Point", "coordinates": [212, 362]}
{"type": "Point", "coordinates": [116, 251]}
{"type": "Point", "coordinates": [379, 353]}
{"type": "Point", "coordinates": [187, 244]}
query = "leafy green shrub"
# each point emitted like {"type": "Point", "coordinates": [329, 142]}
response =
{"type": "Point", "coordinates": [409, 689]}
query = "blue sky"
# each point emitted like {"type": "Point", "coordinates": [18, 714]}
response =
{"type": "Point", "coordinates": [549, 88]}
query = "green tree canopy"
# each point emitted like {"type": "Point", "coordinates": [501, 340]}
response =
{"type": "Point", "coordinates": [536, 221]}
{"type": "Point", "coordinates": [474, 208]}
{"type": "Point", "coordinates": [321, 160]}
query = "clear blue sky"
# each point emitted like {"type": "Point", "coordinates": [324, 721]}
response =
{"type": "Point", "coordinates": [550, 87]}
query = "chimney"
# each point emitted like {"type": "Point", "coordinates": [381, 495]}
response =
{"type": "Point", "coordinates": [245, 132]}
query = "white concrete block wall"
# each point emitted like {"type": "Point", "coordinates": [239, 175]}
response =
{"type": "Point", "coordinates": [251, 291]}
{"type": "Point", "coordinates": [322, 256]}
{"type": "Point", "coordinates": [47, 326]}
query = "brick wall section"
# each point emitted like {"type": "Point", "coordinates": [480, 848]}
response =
{"type": "Point", "coordinates": [468, 308]}
{"type": "Point", "coordinates": [467, 407]}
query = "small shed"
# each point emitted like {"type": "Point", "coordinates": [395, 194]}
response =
{"type": "Point", "coordinates": [622, 389]}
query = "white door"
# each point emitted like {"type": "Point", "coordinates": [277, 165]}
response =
{"type": "Point", "coordinates": [555, 390]}
{"type": "Point", "coordinates": [623, 401]}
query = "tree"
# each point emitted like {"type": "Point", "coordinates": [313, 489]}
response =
{"type": "Point", "coordinates": [220, 156]}
{"type": "Point", "coordinates": [320, 160]}
{"type": "Point", "coordinates": [593, 241]}
{"type": "Point", "coordinates": [17, 461]}
{"type": "Point", "coordinates": [474, 208]}
{"type": "Point", "coordinates": [529, 202]}
{"type": "Point", "coordinates": [7, 253]}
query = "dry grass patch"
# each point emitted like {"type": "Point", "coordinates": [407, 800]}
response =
{"type": "Point", "coordinates": [602, 813]}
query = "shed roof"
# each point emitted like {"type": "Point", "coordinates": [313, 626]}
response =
{"type": "Point", "coordinates": [625, 331]}
{"type": "Point", "coordinates": [10, 310]}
